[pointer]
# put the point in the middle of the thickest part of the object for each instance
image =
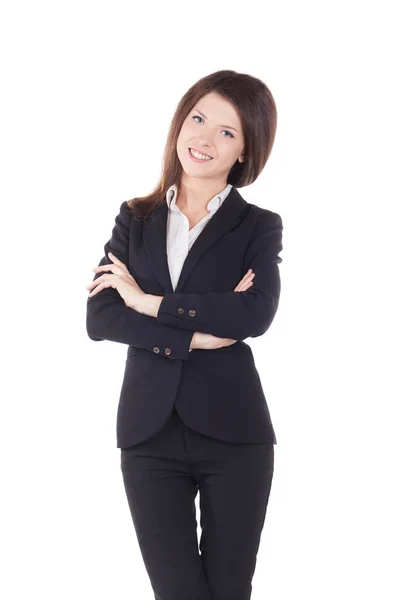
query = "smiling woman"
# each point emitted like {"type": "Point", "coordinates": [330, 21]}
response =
{"type": "Point", "coordinates": [228, 116]}
{"type": "Point", "coordinates": [188, 274]}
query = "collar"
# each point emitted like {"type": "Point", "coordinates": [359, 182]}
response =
{"type": "Point", "coordinates": [213, 204]}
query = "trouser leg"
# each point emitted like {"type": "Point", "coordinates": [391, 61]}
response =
{"type": "Point", "coordinates": [234, 486]}
{"type": "Point", "coordinates": [161, 493]}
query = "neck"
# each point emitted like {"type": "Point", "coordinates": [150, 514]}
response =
{"type": "Point", "coordinates": [194, 195]}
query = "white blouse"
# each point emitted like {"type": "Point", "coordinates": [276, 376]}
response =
{"type": "Point", "coordinates": [179, 238]}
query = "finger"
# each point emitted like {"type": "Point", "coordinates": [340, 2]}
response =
{"type": "Point", "coordinates": [116, 260]}
{"type": "Point", "coordinates": [99, 280]}
{"type": "Point", "coordinates": [249, 273]}
{"type": "Point", "coordinates": [94, 283]}
{"type": "Point", "coordinates": [243, 288]}
{"type": "Point", "coordinates": [246, 279]}
{"type": "Point", "coordinates": [98, 288]}
{"type": "Point", "coordinates": [239, 287]}
{"type": "Point", "coordinates": [245, 276]}
{"type": "Point", "coordinates": [110, 267]}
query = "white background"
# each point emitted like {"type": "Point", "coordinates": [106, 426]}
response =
{"type": "Point", "coordinates": [88, 92]}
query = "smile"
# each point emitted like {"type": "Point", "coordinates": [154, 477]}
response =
{"type": "Point", "coordinates": [198, 156]}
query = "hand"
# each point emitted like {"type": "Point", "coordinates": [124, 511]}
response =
{"type": "Point", "coordinates": [207, 341]}
{"type": "Point", "coordinates": [245, 282]}
{"type": "Point", "coordinates": [120, 279]}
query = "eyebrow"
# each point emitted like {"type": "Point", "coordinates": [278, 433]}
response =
{"type": "Point", "coordinates": [227, 126]}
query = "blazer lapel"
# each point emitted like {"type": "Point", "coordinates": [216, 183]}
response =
{"type": "Point", "coordinates": [224, 220]}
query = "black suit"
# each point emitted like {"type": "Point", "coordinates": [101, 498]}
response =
{"type": "Point", "coordinates": [216, 392]}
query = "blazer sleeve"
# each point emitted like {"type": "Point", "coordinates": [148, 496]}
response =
{"type": "Point", "coordinates": [231, 314]}
{"type": "Point", "coordinates": [108, 317]}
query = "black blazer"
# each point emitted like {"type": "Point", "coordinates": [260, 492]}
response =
{"type": "Point", "coordinates": [216, 392]}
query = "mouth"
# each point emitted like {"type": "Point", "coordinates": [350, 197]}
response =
{"type": "Point", "coordinates": [200, 154]}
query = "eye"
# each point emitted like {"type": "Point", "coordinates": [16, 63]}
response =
{"type": "Point", "coordinates": [197, 117]}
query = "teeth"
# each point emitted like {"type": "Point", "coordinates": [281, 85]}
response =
{"type": "Point", "coordinates": [198, 155]}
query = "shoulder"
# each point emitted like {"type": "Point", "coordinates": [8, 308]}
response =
{"type": "Point", "coordinates": [123, 220]}
{"type": "Point", "coordinates": [125, 214]}
{"type": "Point", "coordinates": [264, 217]}
{"type": "Point", "coordinates": [124, 210]}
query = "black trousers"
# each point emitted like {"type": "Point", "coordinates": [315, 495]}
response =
{"type": "Point", "coordinates": [162, 477]}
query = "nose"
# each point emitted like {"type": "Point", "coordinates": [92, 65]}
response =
{"type": "Point", "coordinates": [204, 142]}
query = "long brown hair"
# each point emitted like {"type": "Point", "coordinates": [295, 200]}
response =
{"type": "Point", "coordinates": [258, 115]}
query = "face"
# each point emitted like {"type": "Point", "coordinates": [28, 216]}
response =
{"type": "Point", "coordinates": [213, 128]}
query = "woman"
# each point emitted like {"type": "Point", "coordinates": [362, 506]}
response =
{"type": "Point", "coordinates": [189, 273]}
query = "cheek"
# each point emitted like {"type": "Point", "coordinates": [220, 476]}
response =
{"type": "Point", "coordinates": [186, 130]}
{"type": "Point", "coordinates": [181, 148]}
{"type": "Point", "coordinates": [184, 136]}
{"type": "Point", "coordinates": [226, 155]}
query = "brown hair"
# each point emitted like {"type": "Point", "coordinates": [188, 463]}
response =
{"type": "Point", "coordinates": [258, 115]}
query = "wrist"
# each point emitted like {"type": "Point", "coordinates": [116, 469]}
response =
{"type": "Point", "coordinates": [149, 304]}
{"type": "Point", "coordinates": [193, 342]}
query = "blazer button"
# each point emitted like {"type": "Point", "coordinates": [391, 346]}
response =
{"type": "Point", "coordinates": [156, 350]}
{"type": "Point", "coordinates": [192, 313]}
{"type": "Point", "coordinates": [167, 351]}
{"type": "Point", "coordinates": [181, 311]}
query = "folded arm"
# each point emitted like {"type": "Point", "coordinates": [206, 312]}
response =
{"type": "Point", "coordinates": [108, 318]}
{"type": "Point", "coordinates": [235, 315]}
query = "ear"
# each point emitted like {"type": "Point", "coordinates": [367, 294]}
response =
{"type": "Point", "coordinates": [241, 158]}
